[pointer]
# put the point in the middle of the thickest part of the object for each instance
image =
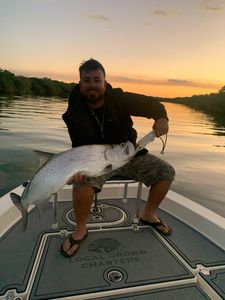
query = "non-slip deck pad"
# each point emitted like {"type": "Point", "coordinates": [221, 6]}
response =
{"type": "Point", "coordinates": [18, 251]}
{"type": "Point", "coordinates": [216, 280]}
{"type": "Point", "coordinates": [184, 292]}
{"type": "Point", "coordinates": [194, 247]}
{"type": "Point", "coordinates": [106, 260]}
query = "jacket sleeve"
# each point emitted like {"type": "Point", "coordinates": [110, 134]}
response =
{"type": "Point", "coordinates": [144, 106]}
{"type": "Point", "coordinates": [67, 117]}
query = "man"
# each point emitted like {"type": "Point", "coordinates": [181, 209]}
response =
{"type": "Point", "coordinates": [100, 114]}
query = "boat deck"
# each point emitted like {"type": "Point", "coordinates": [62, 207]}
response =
{"type": "Point", "coordinates": [119, 259]}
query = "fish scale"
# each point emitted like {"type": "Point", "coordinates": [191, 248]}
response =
{"type": "Point", "coordinates": [91, 160]}
{"type": "Point", "coordinates": [57, 172]}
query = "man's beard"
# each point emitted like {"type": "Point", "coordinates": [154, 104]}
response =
{"type": "Point", "coordinates": [92, 98]}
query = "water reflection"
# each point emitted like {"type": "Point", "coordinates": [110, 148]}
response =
{"type": "Point", "coordinates": [195, 146]}
{"type": "Point", "coordinates": [219, 122]}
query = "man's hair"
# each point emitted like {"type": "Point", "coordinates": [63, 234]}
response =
{"type": "Point", "coordinates": [91, 65]}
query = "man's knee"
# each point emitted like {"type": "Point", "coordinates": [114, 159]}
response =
{"type": "Point", "coordinates": [170, 173]}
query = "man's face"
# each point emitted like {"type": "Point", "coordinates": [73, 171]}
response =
{"type": "Point", "coordinates": [92, 85]}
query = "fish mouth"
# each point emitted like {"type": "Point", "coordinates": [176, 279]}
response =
{"type": "Point", "coordinates": [128, 149]}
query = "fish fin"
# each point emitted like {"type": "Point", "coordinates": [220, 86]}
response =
{"type": "Point", "coordinates": [16, 199]}
{"type": "Point", "coordinates": [43, 156]}
{"type": "Point", "coordinates": [108, 169]}
{"type": "Point", "coordinates": [41, 207]}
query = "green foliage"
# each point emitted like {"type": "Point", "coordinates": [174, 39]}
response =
{"type": "Point", "coordinates": [213, 104]}
{"type": "Point", "coordinates": [7, 86]}
{"type": "Point", "coordinates": [12, 85]}
{"type": "Point", "coordinates": [222, 90]}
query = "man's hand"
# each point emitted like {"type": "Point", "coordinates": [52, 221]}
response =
{"type": "Point", "coordinates": [160, 127]}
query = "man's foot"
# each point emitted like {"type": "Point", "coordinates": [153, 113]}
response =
{"type": "Point", "coordinates": [70, 246]}
{"type": "Point", "coordinates": [160, 226]}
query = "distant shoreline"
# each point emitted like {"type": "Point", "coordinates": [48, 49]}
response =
{"type": "Point", "coordinates": [213, 104]}
{"type": "Point", "coordinates": [12, 85]}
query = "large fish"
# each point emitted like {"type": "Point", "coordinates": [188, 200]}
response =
{"type": "Point", "coordinates": [91, 160]}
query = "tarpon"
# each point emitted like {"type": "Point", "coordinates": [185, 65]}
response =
{"type": "Point", "coordinates": [90, 160]}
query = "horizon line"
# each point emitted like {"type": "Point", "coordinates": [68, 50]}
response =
{"type": "Point", "coordinates": [171, 82]}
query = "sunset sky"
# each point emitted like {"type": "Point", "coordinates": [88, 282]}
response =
{"type": "Point", "coordinates": [163, 48]}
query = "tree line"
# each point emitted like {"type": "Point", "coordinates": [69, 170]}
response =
{"type": "Point", "coordinates": [13, 85]}
{"type": "Point", "coordinates": [213, 104]}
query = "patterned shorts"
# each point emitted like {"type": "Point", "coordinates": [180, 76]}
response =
{"type": "Point", "coordinates": [146, 168]}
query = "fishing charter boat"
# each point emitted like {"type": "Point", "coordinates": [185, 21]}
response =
{"type": "Point", "coordinates": [121, 258]}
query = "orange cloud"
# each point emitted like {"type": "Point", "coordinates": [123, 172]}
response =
{"type": "Point", "coordinates": [97, 17]}
{"type": "Point", "coordinates": [164, 88]}
{"type": "Point", "coordinates": [213, 5]}
{"type": "Point", "coordinates": [166, 12]}
{"type": "Point", "coordinates": [170, 82]}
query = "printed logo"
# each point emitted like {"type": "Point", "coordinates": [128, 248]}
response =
{"type": "Point", "coordinates": [104, 245]}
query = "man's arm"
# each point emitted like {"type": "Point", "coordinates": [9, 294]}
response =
{"type": "Point", "coordinates": [149, 107]}
{"type": "Point", "coordinates": [144, 106]}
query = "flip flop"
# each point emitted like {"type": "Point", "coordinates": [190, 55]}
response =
{"type": "Point", "coordinates": [72, 243]}
{"type": "Point", "coordinates": [157, 225]}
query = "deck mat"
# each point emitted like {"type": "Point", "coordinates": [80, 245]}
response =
{"type": "Point", "coordinates": [216, 280]}
{"type": "Point", "coordinates": [106, 260]}
{"type": "Point", "coordinates": [18, 250]}
{"type": "Point", "coordinates": [184, 292]}
{"type": "Point", "coordinates": [192, 245]}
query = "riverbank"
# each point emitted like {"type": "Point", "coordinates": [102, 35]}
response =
{"type": "Point", "coordinates": [20, 86]}
{"type": "Point", "coordinates": [213, 105]}
{"type": "Point", "coordinates": [12, 85]}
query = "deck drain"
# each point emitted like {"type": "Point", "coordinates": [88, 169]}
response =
{"type": "Point", "coordinates": [97, 218]}
{"type": "Point", "coordinates": [115, 276]}
{"type": "Point", "coordinates": [96, 210]}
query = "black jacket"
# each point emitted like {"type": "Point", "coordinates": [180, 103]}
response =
{"type": "Point", "coordinates": [120, 106]}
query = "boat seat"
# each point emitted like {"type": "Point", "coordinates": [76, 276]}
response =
{"type": "Point", "coordinates": [125, 181]}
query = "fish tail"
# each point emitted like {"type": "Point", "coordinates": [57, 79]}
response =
{"type": "Point", "coordinates": [16, 199]}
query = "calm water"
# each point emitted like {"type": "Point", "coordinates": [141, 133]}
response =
{"type": "Point", "coordinates": [194, 147]}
